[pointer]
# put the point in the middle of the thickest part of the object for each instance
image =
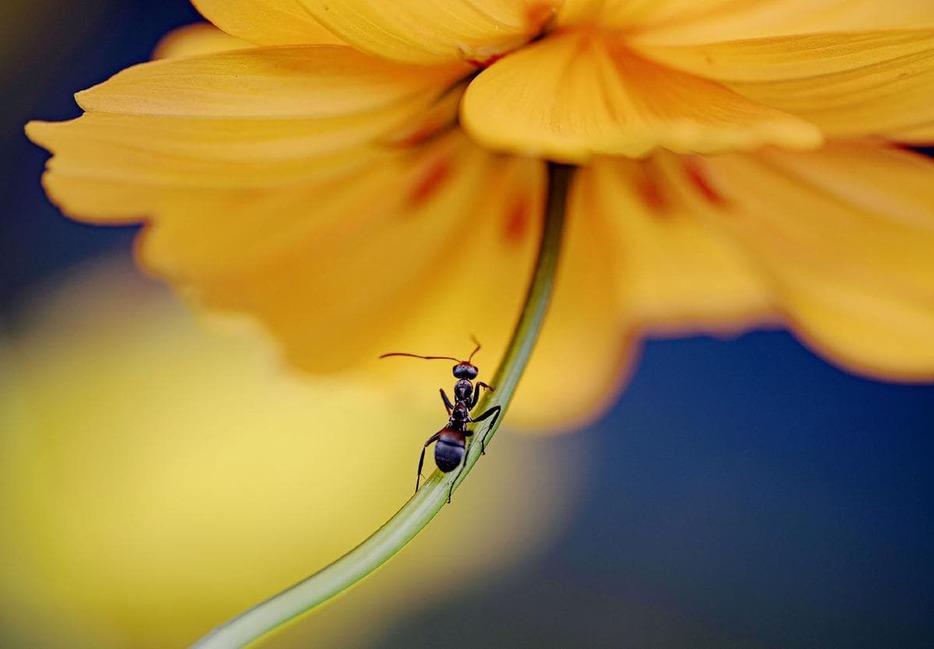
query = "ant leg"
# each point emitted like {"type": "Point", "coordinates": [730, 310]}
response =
{"type": "Point", "coordinates": [418, 475]}
{"type": "Point", "coordinates": [492, 412]}
{"type": "Point", "coordinates": [447, 402]}
{"type": "Point", "coordinates": [469, 433]}
{"type": "Point", "coordinates": [451, 490]}
{"type": "Point", "coordinates": [476, 394]}
{"type": "Point", "coordinates": [495, 410]}
{"type": "Point", "coordinates": [421, 459]}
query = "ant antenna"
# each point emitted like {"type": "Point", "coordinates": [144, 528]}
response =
{"type": "Point", "coordinates": [427, 358]}
{"type": "Point", "coordinates": [438, 358]}
{"type": "Point", "coordinates": [476, 349]}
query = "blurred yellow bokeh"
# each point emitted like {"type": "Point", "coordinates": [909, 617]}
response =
{"type": "Point", "coordinates": [158, 477]}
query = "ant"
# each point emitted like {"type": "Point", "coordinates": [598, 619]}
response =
{"type": "Point", "coordinates": [451, 441]}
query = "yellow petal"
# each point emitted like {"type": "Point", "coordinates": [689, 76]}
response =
{"type": "Point", "coordinates": [871, 83]}
{"type": "Point", "coordinates": [864, 327]}
{"type": "Point", "coordinates": [432, 32]}
{"type": "Point", "coordinates": [231, 153]}
{"type": "Point", "coordinates": [845, 239]}
{"type": "Point", "coordinates": [204, 153]}
{"type": "Point", "coordinates": [196, 40]}
{"type": "Point", "coordinates": [313, 122]}
{"type": "Point", "coordinates": [311, 81]}
{"type": "Point", "coordinates": [575, 95]}
{"type": "Point", "coordinates": [674, 275]}
{"type": "Point", "coordinates": [680, 22]}
{"type": "Point", "coordinates": [266, 22]}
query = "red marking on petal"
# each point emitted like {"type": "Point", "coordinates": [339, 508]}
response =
{"type": "Point", "coordinates": [487, 62]}
{"type": "Point", "coordinates": [517, 221]}
{"type": "Point", "coordinates": [651, 193]}
{"type": "Point", "coordinates": [431, 180]}
{"type": "Point", "coordinates": [416, 137]}
{"type": "Point", "coordinates": [697, 175]}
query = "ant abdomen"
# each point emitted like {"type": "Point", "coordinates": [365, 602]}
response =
{"type": "Point", "coordinates": [449, 450]}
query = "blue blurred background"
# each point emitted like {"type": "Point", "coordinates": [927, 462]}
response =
{"type": "Point", "coordinates": [741, 494]}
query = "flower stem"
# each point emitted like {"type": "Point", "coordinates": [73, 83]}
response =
{"type": "Point", "coordinates": [428, 501]}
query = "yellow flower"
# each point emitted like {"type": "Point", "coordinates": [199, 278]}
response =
{"type": "Point", "coordinates": [740, 165]}
{"type": "Point", "coordinates": [156, 479]}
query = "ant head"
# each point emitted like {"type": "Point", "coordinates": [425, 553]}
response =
{"type": "Point", "coordinates": [465, 370]}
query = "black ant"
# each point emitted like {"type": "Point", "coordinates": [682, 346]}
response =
{"type": "Point", "coordinates": [451, 441]}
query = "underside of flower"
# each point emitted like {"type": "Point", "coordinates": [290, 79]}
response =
{"type": "Point", "coordinates": [335, 182]}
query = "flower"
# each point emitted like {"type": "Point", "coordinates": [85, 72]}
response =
{"type": "Point", "coordinates": [156, 478]}
{"type": "Point", "coordinates": [742, 164]}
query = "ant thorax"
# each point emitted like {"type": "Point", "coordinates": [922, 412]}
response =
{"type": "Point", "coordinates": [463, 390]}
{"type": "Point", "coordinates": [460, 414]}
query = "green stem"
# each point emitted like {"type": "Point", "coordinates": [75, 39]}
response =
{"type": "Point", "coordinates": [428, 501]}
